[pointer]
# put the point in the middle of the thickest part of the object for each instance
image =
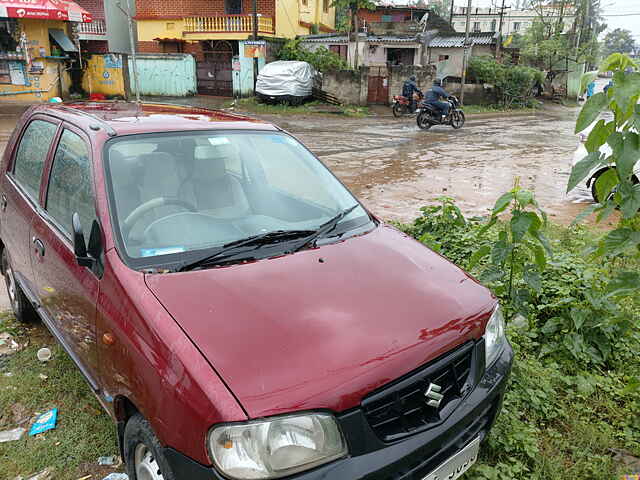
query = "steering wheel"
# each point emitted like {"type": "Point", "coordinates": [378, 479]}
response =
{"type": "Point", "coordinates": [135, 216]}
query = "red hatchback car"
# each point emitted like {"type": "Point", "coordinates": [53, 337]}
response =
{"type": "Point", "coordinates": [235, 309]}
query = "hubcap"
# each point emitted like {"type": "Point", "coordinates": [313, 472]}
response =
{"type": "Point", "coordinates": [146, 466]}
{"type": "Point", "coordinates": [11, 287]}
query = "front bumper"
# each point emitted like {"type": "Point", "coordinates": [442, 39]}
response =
{"type": "Point", "coordinates": [411, 458]}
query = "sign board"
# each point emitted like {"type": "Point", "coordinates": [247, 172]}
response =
{"type": "Point", "coordinates": [255, 49]}
{"type": "Point", "coordinates": [16, 72]}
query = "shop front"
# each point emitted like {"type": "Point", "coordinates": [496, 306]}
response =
{"type": "Point", "coordinates": [39, 55]}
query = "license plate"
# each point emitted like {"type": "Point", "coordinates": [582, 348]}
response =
{"type": "Point", "coordinates": [458, 464]}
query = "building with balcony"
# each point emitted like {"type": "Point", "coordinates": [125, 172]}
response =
{"type": "Point", "coordinates": [218, 33]}
{"type": "Point", "coordinates": [486, 20]}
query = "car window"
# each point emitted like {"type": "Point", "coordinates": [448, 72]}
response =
{"type": "Point", "coordinates": [193, 191]}
{"type": "Point", "coordinates": [32, 154]}
{"type": "Point", "coordinates": [70, 187]}
{"type": "Point", "coordinates": [289, 172]}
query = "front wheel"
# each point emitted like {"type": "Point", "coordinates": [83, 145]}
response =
{"type": "Point", "coordinates": [423, 121]}
{"type": "Point", "coordinates": [457, 119]}
{"type": "Point", "coordinates": [143, 452]}
{"type": "Point", "coordinates": [399, 110]}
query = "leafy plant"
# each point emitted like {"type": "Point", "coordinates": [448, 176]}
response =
{"type": "Point", "coordinates": [521, 250]}
{"type": "Point", "coordinates": [322, 59]}
{"type": "Point", "coordinates": [616, 185]}
{"type": "Point", "coordinates": [512, 83]}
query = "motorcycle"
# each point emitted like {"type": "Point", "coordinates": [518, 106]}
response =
{"type": "Point", "coordinates": [402, 106]}
{"type": "Point", "coordinates": [429, 115]}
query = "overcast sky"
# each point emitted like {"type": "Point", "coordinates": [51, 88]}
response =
{"type": "Point", "coordinates": [618, 13]}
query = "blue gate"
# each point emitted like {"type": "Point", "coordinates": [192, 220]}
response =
{"type": "Point", "coordinates": [164, 74]}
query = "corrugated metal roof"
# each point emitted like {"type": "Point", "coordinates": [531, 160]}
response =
{"type": "Point", "coordinates": [376, 40]}
{"type": "Point", "coordinates": [391, 39]}
{"type": "Point", "coordinates": [457, 41]}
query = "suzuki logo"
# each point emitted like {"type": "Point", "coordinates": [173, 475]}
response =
{"type": "Point", "coordinates": [434, 397]}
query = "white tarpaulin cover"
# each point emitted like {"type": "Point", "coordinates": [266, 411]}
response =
{"type": "Point", "coordinates": [286, 78]}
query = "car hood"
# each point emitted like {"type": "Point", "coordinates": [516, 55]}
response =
{"type": "Point", "coordinates": [321, 328]}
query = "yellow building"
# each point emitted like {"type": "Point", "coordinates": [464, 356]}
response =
{"type": "Point", "coordinates": [216, 32]}
{"type": "Point", "coordinates": [37, 53]}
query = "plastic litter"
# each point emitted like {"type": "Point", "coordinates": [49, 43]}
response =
{"type": "Point", "coordinates": [116, 476]}
{"type": "Point", "coordinates": [43, 376]}
{"type": "Point", "coordinates": [43, 475]}
{"type": "Point", "coordinates": [12, 435]}
{"type": "Point", "coordinates": [107, 460]}
{"type": "Point", "coordinates": [8, 345]}
{"type": "Point", "coordinates": [44, 354]}
{"type": "Point", "coordinates": [44, 422]}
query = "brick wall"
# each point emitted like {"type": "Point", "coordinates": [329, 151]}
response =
{"type": "Point", "coordinates": [194, 48]}
{"type": "Point", "coordinates": [94, 7]}
{"type": "Point", "coordinates": [149, 9]}
{"type": "Point", "coordinates": [94, 46]}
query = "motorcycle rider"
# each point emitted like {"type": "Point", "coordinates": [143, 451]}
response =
{"type": "Point", "coordinates": [408, 89]}
{"type": "Point", "coordinates": [433, 98]}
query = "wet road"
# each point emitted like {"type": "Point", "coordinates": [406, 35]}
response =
{"type": "Point", "coordinates": [395, 168]}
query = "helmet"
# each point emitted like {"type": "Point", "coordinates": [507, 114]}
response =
{"type": "Point", "coordinates": [412, 78]}
{"type": "Point", "coordinates": [438, 82]}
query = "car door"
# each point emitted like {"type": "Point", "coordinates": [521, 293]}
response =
{"type": "Point", "coordinates": [20, 195]}
{"type": "Point", "coordinates": [67, 291]}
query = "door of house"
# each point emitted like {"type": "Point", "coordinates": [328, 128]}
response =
{"type": "Point", "coordinates": [378, 86]}
{"type": "Point", "coordinates": [214, 71]}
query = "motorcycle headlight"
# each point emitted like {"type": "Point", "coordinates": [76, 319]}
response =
{"type": "Point", "coordinates": [494, 337]}
{"type": "Point", "coordinates": [276, 447]}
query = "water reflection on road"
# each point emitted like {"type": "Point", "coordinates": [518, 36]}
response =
{"type": "Point", "coordinates": [396, 168]}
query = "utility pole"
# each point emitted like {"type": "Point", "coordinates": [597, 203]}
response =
{"type": "Point", "coordinates": [255, 39]}
{"type": "Point", "coordinates": [499, 43]}
{"type": "Point", "coordinates": [465, 54]}
{"type": "Point", "coordinates": [451, 14]}
{"type": "Point", "coordinates": [129, 16]}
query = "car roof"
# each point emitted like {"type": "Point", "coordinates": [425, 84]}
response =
{"type": "Point", "coordinates": [125, 118]}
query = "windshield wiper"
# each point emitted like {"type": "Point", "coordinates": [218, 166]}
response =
{"type": "Point", "coordinates": [324, 229]}
{"type": "Point", "coordinates": [229, 249]}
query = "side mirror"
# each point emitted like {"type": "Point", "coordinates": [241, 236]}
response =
{"type": "Point", "coordinates": [79, 245]}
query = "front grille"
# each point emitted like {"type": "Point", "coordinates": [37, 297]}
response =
{"type": "Point", "coordinates": [401, 408]}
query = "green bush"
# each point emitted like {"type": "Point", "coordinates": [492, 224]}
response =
{"type": "Point", "coordinates": [574, 392]}
{"type": "Point", "coordinates": [513, 84]}
{"type": "Point", "coordinates": [322, 59]}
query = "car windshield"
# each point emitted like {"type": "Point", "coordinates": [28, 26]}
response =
{"type": "Point", "coordinates": [176, 193]}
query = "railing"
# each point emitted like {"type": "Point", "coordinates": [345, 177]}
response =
{"type": "Point", "coordinates": [96, 27]}
{"type": "Point", "coordinates": [228, 23]}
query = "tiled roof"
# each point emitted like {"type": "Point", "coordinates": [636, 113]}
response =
{"type": "Point", "coordinates": [452, 41]}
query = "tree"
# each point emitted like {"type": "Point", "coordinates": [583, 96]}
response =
{"type": "Point", "coordinates": [353, 6]}
{"type": "Point", "coordinates": [619, 41]}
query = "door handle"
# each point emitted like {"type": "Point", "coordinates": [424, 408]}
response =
{"type": "Point", "coordinates": [3, 202]}
{"type": "Point", "coordinates": [38, 246]}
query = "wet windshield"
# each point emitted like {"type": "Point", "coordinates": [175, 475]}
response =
{"type": "Point", "coordinates": [177, 193]}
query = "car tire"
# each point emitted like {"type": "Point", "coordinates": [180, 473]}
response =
{"type": "Point", "coordinates": [22, 308]}
{"type": "Point", "coordinates": [143, 452]}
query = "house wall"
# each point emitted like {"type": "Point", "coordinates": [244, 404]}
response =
{"type": "Point", "coordinates": [346, 85]}
{"type": "Point", "coordinates": [453, 66]}
{"type": "Point", "coordinates": [474, 93]}
{"type": "Point", "coordinates": [352, 86]}
{"type": "Point", "coordinates": [524, 18]}
{"type": "Point", "coordinates": [54, 80]}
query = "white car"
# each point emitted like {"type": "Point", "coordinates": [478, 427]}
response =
{"type": "Point", "coordinates": [590, 180]}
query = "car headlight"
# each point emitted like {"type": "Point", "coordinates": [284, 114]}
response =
{"type": "Point", "coordinates": [276, 447]}
{"type": "Point", "coordinates": [494, 337]}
